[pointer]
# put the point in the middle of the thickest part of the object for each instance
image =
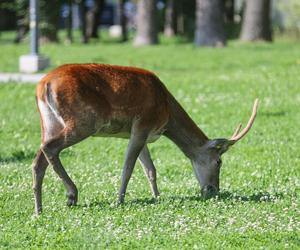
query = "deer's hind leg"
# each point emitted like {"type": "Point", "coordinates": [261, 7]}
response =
{"type": "Point", "coordinates": [149, 169]}
{"type": "Point", "coordinates": [50, 126]}
{"type": "Point", "coordinates": [39, 167]}
{"type": "Point", "coordinates": [58, 135]}
{"type": "Point", "coordinates": [52, 149]}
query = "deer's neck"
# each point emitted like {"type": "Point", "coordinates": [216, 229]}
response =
{"type": "Point", "coordinates": [183, 131]}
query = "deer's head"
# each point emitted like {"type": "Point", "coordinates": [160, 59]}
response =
{"type": "Point", "coordinates": [208, 161]}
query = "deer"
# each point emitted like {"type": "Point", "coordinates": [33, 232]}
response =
{"type": "Point", "coordinates": [76, 101]}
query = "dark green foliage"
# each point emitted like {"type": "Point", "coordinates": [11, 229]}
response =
{"type": "Point", "coordinates": [49, 18]}
{"type": "Point", "coordinates": [48, 14]}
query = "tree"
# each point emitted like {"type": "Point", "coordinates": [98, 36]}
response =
{"type": "Point", "coordinates": [93, 17]}
{"type": "Point", "coordinates": [229, 11]}
{"type": "Point", "coordinates": [48, 16]}
{"type": "Point", "coordinates": [22, 18]}
{"type": "Point", "coordinates": [291, 11]}
{"type": "Point", "coordinates": [170, 18]}
{"type": "Point", "coordinates": [146, 32]}
{"type": "Point", "coordinates": [209, 23]}
{"type": "Point", "coordinates": [83, 11]}
{"type": "Point", "coordinates": [123, 20]}
{"type": "Point", "coordinates": [49, 19]}
{"type": "Point", "coordinates": [90, 17]}
{"type": "Point", "coordinates": [68, 20]}
{"type": "Point", "coordinates": [256, 21]}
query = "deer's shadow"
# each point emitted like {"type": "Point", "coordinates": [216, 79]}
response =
{"type": "Point", "coordinates": [17, 156]}
{"type": "Point", "coordinates": [222, 196]}
{"type": "Point", "coordinates": [25, 155]}
{"type": "Point", "coordinates": [256, 197]}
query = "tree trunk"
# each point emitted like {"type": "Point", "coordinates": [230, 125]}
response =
{"type": "Point", "coordinates": [256, 21]}
{"type": "Point", "coordinates": [209, 23]}
{"type": "Point", "coordinates": [68, 22]}
{"type": "Point", "coordinates": [170, 19]}
{"type": "Point", "coordinates": [180, 18]}
{"type": "Point", "coordinates": [22, 18]}
{"type": "Point", "coordinates": [123, 20]}
{"type": "Point", "coordinates": [146, 32]}
{"type": "Point", "coordinates": [229, 11]}
{"type": "Point", "coordinates": [93, 18]}
{"type": "Point", "coordinates": [49, 19]}
{"type": "Point", "coordinates": [83, 10]}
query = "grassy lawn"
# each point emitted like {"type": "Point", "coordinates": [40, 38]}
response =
{"type": "Point", "coordinates": [259, 201]}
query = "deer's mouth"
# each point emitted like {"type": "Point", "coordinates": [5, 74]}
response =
{"type": "Point", "coordinates": [209, 191]}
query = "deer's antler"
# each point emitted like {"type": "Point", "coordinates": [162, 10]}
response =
{"type": "Point", "coordinates": [237, 135]}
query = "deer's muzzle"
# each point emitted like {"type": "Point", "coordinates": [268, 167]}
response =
{"type": "Point", "coordinates": [209, 191]}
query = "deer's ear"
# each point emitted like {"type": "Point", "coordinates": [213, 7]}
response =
{"type": "Point", "coordinates": [220, 145]}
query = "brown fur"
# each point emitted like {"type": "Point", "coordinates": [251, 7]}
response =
{"type": "Point", "coordinates": [76, 101]}
{"type": "Point", "coordinates": [110, 92]}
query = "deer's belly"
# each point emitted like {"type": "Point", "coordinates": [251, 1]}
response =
{"type": "Point", "coordinates": [155, 135]}
{"type": "Point", "coordinates": [116, 135]}
{"type": "Point", "coordinates": [119, 129]}
{"type": "Point", "coordinates": [122, 130]}
{"type": "Point", "coordinates": [151, 138]}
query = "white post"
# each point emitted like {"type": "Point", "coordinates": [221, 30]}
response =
{"type": "Point", "coordinates": [33, 62]}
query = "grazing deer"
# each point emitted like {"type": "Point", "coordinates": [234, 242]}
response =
{"type": "Point", "coordinates": [76, 101]}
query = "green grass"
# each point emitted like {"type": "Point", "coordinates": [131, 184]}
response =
{"type": "Point", "coordinates": [258, 206]}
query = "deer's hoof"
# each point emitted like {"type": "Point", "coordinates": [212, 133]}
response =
{"type": "Point", "coordinates": [38, 211]}
{"type": "Point", "coordinates": [121, 199]}
{"type": "Point", "coordinates": [72, 199]}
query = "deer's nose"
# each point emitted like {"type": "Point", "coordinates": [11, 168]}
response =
{"type": "Point", "coordinates": [209, 191]}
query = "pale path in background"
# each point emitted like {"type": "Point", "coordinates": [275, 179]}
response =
{"type": "Point", "coordinates": [20, 78]}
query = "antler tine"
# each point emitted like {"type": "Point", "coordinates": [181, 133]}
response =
{"type": "Point", "coordinates": [237, 136]}
{"type": "Point", "coordinates": [237, 130]}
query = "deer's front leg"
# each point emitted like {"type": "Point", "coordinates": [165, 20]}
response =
{"type": "Point", "coordinates": [149, 169]}
{"type": "Point", "coordinates": [136, 143]}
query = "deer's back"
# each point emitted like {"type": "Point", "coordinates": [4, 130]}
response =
{"type": "Point", "coordinates": [114, 95]}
